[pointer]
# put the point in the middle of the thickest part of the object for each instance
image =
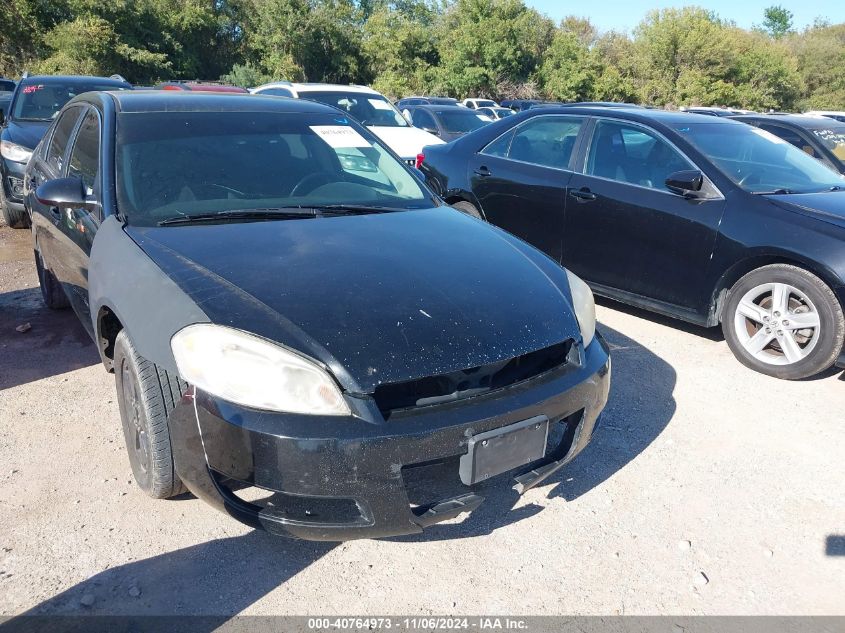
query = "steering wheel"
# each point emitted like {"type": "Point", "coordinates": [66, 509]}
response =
{"type": "Point", "coordinates": [311, 182]}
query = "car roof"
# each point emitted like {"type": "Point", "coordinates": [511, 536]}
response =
{"type": "Point", "coordinates": [72, 79]}
{"type": "Point", "coordinates": [188, 101]}
{"type": "Point", "coordinates": [642, 115]}
{"type": "Point", "coordinates": [199, 86]}
{"type": "Point", "coordinates": [318, 87]}
{"type": "Point", "coordinates": [799, 120]}
{"type": "Point", "coordinates": [433, 107]}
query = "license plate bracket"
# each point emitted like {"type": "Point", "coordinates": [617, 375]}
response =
{"type": "Point", "coordinates": [500, 450]}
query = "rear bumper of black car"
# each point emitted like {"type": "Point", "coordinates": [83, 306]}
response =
{"type": "Point", "coordinates": [361, 476]}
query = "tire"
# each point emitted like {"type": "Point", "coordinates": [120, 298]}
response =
{"type": "Point", "coordinates": [16, 219]}
{"type": "Point", "coordinates": [146, 395]}
{"type": "Point", "coordinates": [468, 208]}
{"type": "Point", "coordinates": [763, 317]}
{"type": "Point", "coordinates": [52, 293]}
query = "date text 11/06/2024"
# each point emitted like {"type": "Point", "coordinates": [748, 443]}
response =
{"type": "Point", "coordinates": [422, 623]}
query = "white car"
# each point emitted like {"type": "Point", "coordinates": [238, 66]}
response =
{"type": "Point", "coordinates": [830, 114]}
{"type": "Point", "coordinates": [494, 114]}
{"type": "Point", "coordinates": [368, 107]}
{"type": "Point", "coordinates": [479, 103]}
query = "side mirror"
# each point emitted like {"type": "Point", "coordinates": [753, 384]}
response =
{"type": "Point", "coordinates": [685, 182]}
{"type": "Point", "coordinates": [65, 192]}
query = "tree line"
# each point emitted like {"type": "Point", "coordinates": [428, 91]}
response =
{"type": "Point", "coordinates": [459, 48]}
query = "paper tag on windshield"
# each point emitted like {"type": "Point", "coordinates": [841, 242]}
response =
{"type": "Point", "coordinates": [337, 136]}
{"type": "Point", "coordinates": [378, 104]}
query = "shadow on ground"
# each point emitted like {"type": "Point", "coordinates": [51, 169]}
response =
{"type": "Point", "coordinates": [223, 577]}
{"type": "Point", "coordinates": [56, 342]}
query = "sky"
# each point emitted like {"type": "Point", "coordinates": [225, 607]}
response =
{"type": "Point", "coordinates": [623, 15]}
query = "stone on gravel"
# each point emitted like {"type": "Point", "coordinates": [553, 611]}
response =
{"type": "Point", "coordinates": [684, 545]}
{"type": "Point", "coordinates": [701, 579]}
{"type": "Point", "coordinates": [87, 600]}
{"type": "Point", "coordinates": [24, 327]}
{"type": "Point", "coordinates": [134, 591]}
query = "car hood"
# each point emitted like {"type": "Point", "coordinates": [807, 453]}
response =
{"type": "Point", "coordinates": [827, 205]}
{"type": "Point", "coordinates": [25, 133]}
{"type": "Point", "coordinates": [407, 142]}
{"type": "Point", "coordinates": [376, 298]}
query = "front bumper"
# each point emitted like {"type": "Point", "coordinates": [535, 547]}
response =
{"type": "Point", "coordinates": [12, 176]}
{"type": "Point", "coordinates": [334, 479]}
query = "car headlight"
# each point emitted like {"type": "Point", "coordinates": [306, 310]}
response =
{"type": "Point", "coordinates": [584, 306]}
{"type": "Point", "coordinates": [254, 372]}
{"type": "Point", "coordinates": [15, 152]}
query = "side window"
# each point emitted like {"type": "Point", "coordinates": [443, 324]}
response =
{"type": "Point", "coordinates": [61, 134]}
{"type": "Point", "coordinates": [628, 153]}
{"type": "Point", "coordinates": [424, 120]}
{"type": "Point", "coordinates": [548, 141]}
{"type": "Point", "coordinates": [500, 146]}
{"type": "Point", "coordinates": [84, 159]}
{"type": "Point", "coordinates": [793, 138]}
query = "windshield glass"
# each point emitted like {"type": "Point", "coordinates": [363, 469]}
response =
{"type": "Point", "coordinates": [172, 164]}
{"type": "Point", "coordinates": [461, 122]}
{"type": "Point", "coordinates": [41, 102]}
{"type": "Point", "coordinates": [833, 138]}
{"type": "Point", "coordinates": [485, 103]}
{"type": "Point", "coordinates": [366, 108]}
{"type": "Point", "coordinates": [758, 161]}
{"type": "Point", "coordinates": [6, 85]}
{"type": "Point", "coordinates": [503, 112]}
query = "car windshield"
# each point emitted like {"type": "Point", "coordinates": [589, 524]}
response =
{"type": "Point", "coordinates": [6, 85]}
{"type": "Point", "coordinates": [485, 103]}
{"type": "Point", "coordinates": [460, 122]}
{"type": "Point", "coordinates": [503, 112]}
{"type": "Point", "coordinates": [759, 162]}
{"type": "Point", "coordinates": [442, 101]}
{"type": "Point", "coordinates": [175, 164]}
{"type": "Point", "coordinates": [833, 138]}
{"type": "Point", "coordinates": [366, 108]}
{"type": "Point", "coordinates": [42, 101]}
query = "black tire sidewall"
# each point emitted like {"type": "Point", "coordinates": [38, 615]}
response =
{"type": "Point", "coordinates": [830, 318]}
{"type": "Point", "coordinates": [125, 365]}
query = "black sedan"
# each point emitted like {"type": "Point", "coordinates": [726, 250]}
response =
{"type": "Point", "coordinates": [301, 332]}
{"type": "Point", "coordinates": [446, 122]}
{"type": "Point", "coordinates": [36, 100]}
{"type": "Point", "coordinates": [701, 218]}
{"type": "Point", "coordinates": [820, 137]}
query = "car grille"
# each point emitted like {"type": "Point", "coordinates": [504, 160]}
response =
{"type": "Point", "coordinates": [474, 381]}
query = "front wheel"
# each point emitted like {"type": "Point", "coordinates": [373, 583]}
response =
{"type": "Point", "coordinates": [146, 394]}
{"type": "Point", "coordinates": [784, 321]}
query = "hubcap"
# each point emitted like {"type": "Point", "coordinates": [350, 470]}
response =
{"type": "Point", "coordinates": [133, 412]}
{"type": "Point", "coordinates": [777, 324]}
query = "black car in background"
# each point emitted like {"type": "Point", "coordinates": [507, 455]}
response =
{"type": "Point", "coordinates": [7, 89]}
{"type": "Point", "coordinates": [446, 122]}
{"type": "Point", "coordinates": [301, 332]}
{"type": "Point", "coordinates": [701, 218]}
{"type": "Point", "coordinates": [820, 137]}
{"type": "Point", "coordinates": [518, 105]}
{"type": "Point", "coordinates": [36, 100]}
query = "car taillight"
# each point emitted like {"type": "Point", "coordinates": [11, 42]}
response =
{"type": "Point", "coordinates": [420, 159]}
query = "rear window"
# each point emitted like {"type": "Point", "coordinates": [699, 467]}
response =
{"type": "Point", "coordinates": [42, 101]}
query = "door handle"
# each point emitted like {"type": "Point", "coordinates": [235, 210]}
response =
{"type": "Point", "coordinates": [583, 194]}
{"type": "Point", "coordinates": [483, 172]}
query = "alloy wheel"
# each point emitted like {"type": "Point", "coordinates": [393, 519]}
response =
{"type": "Point", "coordinates": [777, 324]}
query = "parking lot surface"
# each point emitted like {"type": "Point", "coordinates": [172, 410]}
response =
{"type": "Point", "coordinates": [709, 489]}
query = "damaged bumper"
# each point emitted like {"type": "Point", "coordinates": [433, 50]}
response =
{"type": "Point", "coordinates": [364, 476]}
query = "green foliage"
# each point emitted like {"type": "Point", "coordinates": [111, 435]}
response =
{"type": "Point", "coordinates": [778, 21]}
{"type": "Point", "coordinates": [495, 48]}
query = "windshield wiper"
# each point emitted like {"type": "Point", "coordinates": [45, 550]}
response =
{"type": "Point", "coordinates": [357, 209]}
{"type": "Point", "coordinates": [774, 192]}
{"type": "Point", "coordinates": [280, 213]}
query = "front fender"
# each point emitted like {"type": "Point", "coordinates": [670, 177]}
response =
{"type": "Point", "coordinates": [150, 307]}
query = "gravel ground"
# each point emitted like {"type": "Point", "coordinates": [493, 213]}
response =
{"type": "Point", "coordinates": [709, 489]}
